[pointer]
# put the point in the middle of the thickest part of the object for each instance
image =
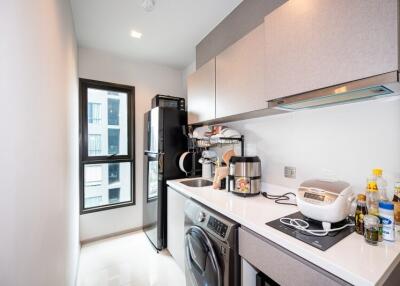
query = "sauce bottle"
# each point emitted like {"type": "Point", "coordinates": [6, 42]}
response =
{"type": "Point", "coordinates": [373, 197]}
{"type": "Point", "coordinates": [396, 202]}
{"type": "Point", "coordinates": [361, 211]}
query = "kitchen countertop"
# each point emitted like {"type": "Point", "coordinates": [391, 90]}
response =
{"type": "Point", "coordinates": [351, 259]}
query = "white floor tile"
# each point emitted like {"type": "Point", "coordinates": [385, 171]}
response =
{"type": "Point", "coordinates": [127, 260]}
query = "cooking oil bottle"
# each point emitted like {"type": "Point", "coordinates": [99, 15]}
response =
{"type": "Point", "coordinates": [381, 183]}
{"type": "Point", "coordinates": [373, 196]}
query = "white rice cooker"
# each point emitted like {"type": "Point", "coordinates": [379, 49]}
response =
{"type": "Point", "coordinates": [326, 201]}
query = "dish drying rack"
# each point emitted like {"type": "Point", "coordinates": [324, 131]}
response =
{"type": "Point", "coordinates": [199, 143]}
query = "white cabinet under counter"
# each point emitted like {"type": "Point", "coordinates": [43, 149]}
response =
{"type": "Point", "coordinates": [312, 44]}
{"type": "Point", "coordinates": [175, 226]}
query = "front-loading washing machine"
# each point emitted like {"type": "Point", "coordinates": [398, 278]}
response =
{"type": "Point", "coordinates": [211, 247]}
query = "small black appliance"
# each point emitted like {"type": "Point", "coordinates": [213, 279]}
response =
{"type": "Point", "coordinates": [161, 100]}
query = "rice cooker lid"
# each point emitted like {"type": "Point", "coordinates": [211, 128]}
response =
{"type": "Point", "coordinates": [335, 187]}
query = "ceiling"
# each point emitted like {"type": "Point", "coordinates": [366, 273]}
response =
{"type": "Point", "coordinates": [170, 32]}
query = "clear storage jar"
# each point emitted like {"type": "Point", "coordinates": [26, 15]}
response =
{"type": "Point", "coordinates": [371, 229]}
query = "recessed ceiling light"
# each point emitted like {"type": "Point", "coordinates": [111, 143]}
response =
{"type": "Point", "coordinates": [136, 34]}
{"type": "Point", "coordinates": [148, 5]}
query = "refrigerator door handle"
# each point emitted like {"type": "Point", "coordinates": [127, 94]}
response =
{"type": "Point", "coordinates": [161, 163]}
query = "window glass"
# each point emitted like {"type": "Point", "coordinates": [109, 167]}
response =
{"type": "Point", "coordinates": [107, 117]}
{"type": "Point", "coordinates": [103, 180]}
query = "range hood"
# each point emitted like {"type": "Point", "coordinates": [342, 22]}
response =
{"type": "Point", "coordinates": [373, 87]}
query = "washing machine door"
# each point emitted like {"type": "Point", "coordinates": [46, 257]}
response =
{"type": "Point", "coordinates": [202, 268]}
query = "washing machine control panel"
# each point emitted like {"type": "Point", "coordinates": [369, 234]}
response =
{"type": "Point", "coordinates": [217, 226]}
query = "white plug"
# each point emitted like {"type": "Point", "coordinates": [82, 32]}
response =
{"type": "Point", "coordinates": [326, 226]}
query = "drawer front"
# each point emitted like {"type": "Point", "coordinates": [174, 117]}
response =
{"type": "Point", "coordinates": [279, 264]}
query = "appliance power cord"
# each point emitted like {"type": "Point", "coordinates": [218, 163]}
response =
{"type": "Point", "coordinates": [280, 199]}
{"type": "Point", "coordinates": [302, 225]}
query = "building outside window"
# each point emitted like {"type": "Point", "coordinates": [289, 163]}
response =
{"type": "Point", "coordinates": [107, 149]}
{"type": "Point", "coordinates": [113, 111]}
{"type": "Point", "coordinates": [113, 173]}
{"type": "Point", "coordinates": [93, 201]}
{"type": "Point", "coordinates": [94, 176]}
{"type": "Point", "coordinates": [94, 113]}
{"type": "Point", "coordinates": [113, 141]}
{"type": "Point", "coordinates": [94, 144]}
{"type": "Point", "coordinates": [113, 195]}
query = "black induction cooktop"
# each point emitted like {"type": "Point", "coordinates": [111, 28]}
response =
{"type": "Point", "coordinates": [320, 242]}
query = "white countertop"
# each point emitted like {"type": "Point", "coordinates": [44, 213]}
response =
{"type": "Point", "coordinates": [351, 259]}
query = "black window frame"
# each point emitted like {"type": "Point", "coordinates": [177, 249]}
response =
{"type": "Point", "coordinates": [84, 159]}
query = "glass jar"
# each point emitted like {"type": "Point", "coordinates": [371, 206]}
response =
{"type": "Point", "coordinates": [371, 229]}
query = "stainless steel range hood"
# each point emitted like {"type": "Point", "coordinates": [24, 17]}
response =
{"type": "Point", "coordinates": [373, 87]}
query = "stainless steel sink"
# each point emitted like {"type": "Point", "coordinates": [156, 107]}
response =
{"type": "Point", "coordinates": [197, 183]}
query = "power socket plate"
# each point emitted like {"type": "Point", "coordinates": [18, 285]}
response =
{"type": "Point", "coordinates": [290, 172]}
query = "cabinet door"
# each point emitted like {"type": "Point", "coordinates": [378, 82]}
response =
{"type": "Point", "coordinates": [240, 75]}
{"type": "Point", "coordinates": [201, 93]}
{"type": "Point", "coordinates": [312, 44]}
{"type": "Point", "coordinates": [276, 262]}
{"type": "Point", "coordinates": [175, 226]}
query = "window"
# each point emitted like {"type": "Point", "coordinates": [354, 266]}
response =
{"type": "Point", "coordinates": [113, 111]}
{"type": "Point", "coordinates": [94, 144]}
{"type": "Point", "coordinates": [94, 113]}
{"type": "Point", "coordinates": [107, 166]}
{"type": "Point", "coordinates": [113, 141]}
{"type": "Point", "coordinates": [113, 173]}
{"type": "Point", "coordinates": [113, 195]}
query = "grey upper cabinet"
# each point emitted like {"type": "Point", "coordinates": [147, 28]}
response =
{"type": "Point", "coordinates": [240, 75]}
{"type": "Point", "coordinates": [310, 44]}
{"type": "Point", "coordinates": [201, 93]}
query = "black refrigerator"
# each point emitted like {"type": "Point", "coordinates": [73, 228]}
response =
{"type": "Point", "coordinates": [164, 142]}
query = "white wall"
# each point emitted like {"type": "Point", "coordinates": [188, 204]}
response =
{"type": "Point", "coordinates": [148, 79]}
{"type": "Point", "coordinates": [348, 140]}
{"type": "Point", "coordinates": [39, 241]}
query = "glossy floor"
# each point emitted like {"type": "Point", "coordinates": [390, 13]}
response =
{"type": "Point", "coordinates": [127, 260]}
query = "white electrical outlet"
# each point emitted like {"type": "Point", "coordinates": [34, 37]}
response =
{"type": "Point", "coordinates": [290, 172]}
